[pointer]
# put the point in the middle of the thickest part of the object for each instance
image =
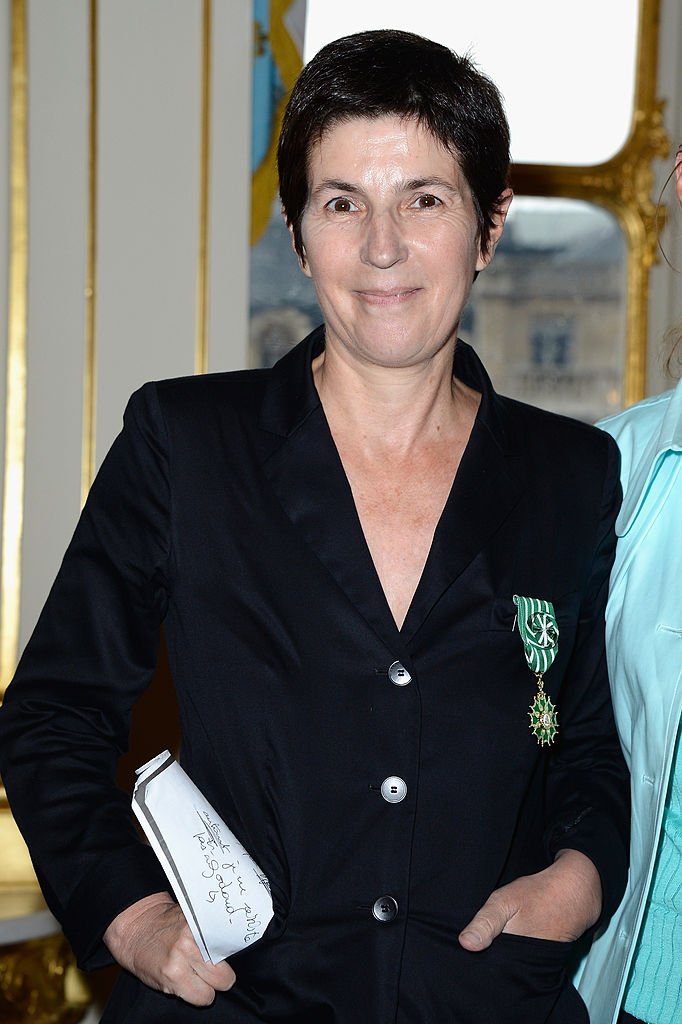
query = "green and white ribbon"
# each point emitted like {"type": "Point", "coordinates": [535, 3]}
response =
{"type": "Point", "coordinates": [539, 632]}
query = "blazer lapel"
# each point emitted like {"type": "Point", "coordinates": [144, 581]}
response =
{"type": "Point", "coordinates": [308, 478]}
{"type": "Point", "coordinates": [485, 491]}
{"type": "Point", "coordinates": [488, 486]}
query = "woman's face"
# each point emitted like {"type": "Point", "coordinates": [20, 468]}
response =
{"type": "Point", "coordinates": [390, 240]}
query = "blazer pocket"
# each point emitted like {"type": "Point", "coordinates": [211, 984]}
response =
{"type": "Point", "coordinates": [519, 979]}
{"type": "Point", "coordinates": [548, 951]}
{"type": "Point", "coordinates": [533, 969]}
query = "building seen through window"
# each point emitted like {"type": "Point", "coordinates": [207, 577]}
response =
{"type": "Point", "coordinates": [548, 315]}
{"type": "Point", "coordinates": [551, 343]}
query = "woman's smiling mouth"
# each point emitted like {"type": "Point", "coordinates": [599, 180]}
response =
{"type": "Point", "coordinates": [388, 297]}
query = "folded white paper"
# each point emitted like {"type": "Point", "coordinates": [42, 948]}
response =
{"type": "Point", "coordinates": [222, 891]}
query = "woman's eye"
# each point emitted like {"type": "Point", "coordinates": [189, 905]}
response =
{"type": "Point", "coordinates": [426, 202]}
{"type": "Point", "coordinates": [341, 205]}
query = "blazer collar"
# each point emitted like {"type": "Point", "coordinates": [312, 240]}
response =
{"type": "Point", "coordinates": [667, 439]}
{"type": "Point", "coordinates": [291, 395]}
{"type": "Point", "coordinates": [307, 475]}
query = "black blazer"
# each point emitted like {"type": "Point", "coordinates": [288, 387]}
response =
{"type": "Point", "coordinates": [223, 510]}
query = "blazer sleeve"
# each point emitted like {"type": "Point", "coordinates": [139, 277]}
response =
{"type": "Point", "coordinates": [588, 804]}
{"type": "Point", "coordinates": [66, 715]}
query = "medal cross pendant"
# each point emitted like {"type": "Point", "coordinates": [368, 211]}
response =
{"type": "Point", "coordinates": [544, 722]}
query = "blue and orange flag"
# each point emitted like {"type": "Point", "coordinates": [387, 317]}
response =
{"type": "Point", "coordinates": [276, 63]}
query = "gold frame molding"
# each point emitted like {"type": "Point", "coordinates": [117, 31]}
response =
{"type": "Point", "coordinates": [15, 409]}
{"type": "Point", "coordinates": [623, 185]}
{"type": "Point", "coordinates": [15, 869]}
{"type": "Point", "coordinates": [89, 426]}
{"type": "Point", "coordinates": [201, 343]}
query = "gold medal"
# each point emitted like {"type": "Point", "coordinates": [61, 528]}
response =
{"type": "Point", "coordinates": [544, 721]}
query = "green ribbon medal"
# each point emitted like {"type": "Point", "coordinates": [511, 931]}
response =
{"type": "Point", "coordinates": [540, 634]}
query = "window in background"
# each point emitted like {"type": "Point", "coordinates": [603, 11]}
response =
{"type": "Point", "coordinates": [548, 316]}
{"type": "Point", "coordinates": [551, 343]}
{"type": "Point", "coordinates": [567, 72]}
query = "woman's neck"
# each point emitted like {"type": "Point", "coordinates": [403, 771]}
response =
{"type": "Point", "coordinates": [394, 409]}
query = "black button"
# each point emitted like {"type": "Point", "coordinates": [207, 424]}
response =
{"type": "Point", "coordinates": [385, 909]}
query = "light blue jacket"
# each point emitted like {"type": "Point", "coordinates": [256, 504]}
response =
{"type": "Point", "coordinates": [644, 652]}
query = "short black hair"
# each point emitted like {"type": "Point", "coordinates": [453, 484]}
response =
{"type": "Point", "coordinates": [392, 73]}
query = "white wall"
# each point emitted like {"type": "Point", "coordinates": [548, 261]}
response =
{"type": "Point", "coordinates": [148, 165]}
{"type": "Point", "coordinates": [57, 53]}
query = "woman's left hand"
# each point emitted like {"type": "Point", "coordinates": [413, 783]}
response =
{"type": "Point", "coordinates": [558, 903]}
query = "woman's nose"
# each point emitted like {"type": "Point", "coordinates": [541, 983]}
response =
{"type": "Point", "coordinates": [383, 244]}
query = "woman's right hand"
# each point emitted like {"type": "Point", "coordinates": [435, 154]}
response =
{"type": "Point", "coordinates": [152, 940]}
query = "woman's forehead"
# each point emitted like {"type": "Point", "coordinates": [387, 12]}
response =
{"type": "Point", "coordinates": [357, 141]}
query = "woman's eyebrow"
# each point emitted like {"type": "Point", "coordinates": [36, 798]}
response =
{"type": "Point", "coordinates": [335, 185]}
{"type": "Point", "coordinates": [408, 185]}
{"type": "Point", "coordinates": [415, 184]}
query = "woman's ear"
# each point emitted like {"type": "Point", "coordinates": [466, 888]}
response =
{"type": "Point", "coordinates": [497, 229]}
{"type": "Point", "coordinates": [300, 256]}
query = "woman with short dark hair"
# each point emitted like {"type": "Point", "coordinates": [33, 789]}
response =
{"type": "Point", "coordinates": [383, 591]}
{"type": "Point", "coordinates": [397, 74]}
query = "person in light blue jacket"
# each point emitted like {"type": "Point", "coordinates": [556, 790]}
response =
{"type": "Point", "coordinates": [634, 970]}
